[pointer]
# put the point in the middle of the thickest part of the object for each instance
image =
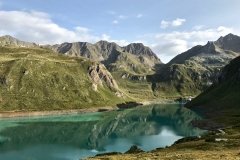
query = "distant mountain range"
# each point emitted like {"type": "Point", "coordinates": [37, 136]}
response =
{"type": "Point", "coordinates": [193, 71]}
{"type": "Point", "coordinates": [135, 57]}
{"type": "Point", "coordinates": [133, 72]}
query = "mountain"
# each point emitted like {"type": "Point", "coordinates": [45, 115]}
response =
{"type": "Point", "coordinates": [193, 71]}
{"type": "Point", "coordinates": [11, 41]}
{"type": "Point", "coordinates": [106, 70]}
{"type": "Point", "coordinates": [129, 65]}
{"type": "Point", "coordinates": [39, 79]}
{"type": "Point", "coordinates": [134, 58]}
{"type": "Point", "coordinates": [141, 50]}
{"type": "Point", "coordinates": [229, 42]}
{"type": "Point", "coordinates": [222, 98]}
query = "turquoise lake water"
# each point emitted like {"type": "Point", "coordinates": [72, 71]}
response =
{"type": "Point", "coordinates": [75, 136]}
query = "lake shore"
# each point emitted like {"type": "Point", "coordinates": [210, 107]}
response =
{"type": "Point", "coordinates": [20, 113]}
{"type": "Point", "coordinates": [11, 114]}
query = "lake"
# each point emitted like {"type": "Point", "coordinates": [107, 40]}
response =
{"type": "Point", "coordinates": [75, 136]}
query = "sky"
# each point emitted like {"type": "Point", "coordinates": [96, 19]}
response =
{"type": "Point", "coordinates": [168, 27]}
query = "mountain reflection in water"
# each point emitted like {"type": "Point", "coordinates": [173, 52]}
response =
{"type": "Point", "coordinates": [79, 135]}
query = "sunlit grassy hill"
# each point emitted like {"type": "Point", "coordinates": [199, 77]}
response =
{"type": "Point", "coordinates": [39, 79]}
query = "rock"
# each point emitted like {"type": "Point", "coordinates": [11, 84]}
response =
{"type": "Point", "coordinates": [128, 105]}
{"type": "Point", "coordinates": [221, 139]}
{"type": "Point", "coordinates": [108, 154]}
{"type": "Point", "coordinates": [119, 94]}
{"type": "Point", "coordinates": [134, 77]}
{"type": "Point", "coordinates": [99, 75]}
{"type": "Point", "coordinates": [187, 139]}
{"type": "Point", "coordinates": [134, 149]}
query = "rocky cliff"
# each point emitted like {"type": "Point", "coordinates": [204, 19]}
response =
{"type": "Point", "coordinates": [100, 75]}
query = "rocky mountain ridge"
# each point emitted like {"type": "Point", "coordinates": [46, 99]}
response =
{"type": "Point", "coordinates": [109, 53]}
{"type": "Point", "coordinates": [11, 41]}
{"type": "Point", "coordinates": [132, 69]}
{"type": "Point", "coordinates": [197, 68]}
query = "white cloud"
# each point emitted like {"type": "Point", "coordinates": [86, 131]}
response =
{"type": "Point", "coordinates": [168, 45]}
{"type": "Point", "coordinates": [164, 24]}
{"type": "Point", "coordinates": [139, 15]}
{"type": "Point", "coordinates": [199, 27]}
{"type": "Point", "coordinates": [175, 23]}
{"type": "Point", "coordinates": [178, 22]}
{"type": "Point", "coordinates": [115, 22]}
{"type": "Point", "coordinates": [38, 27]}
{"type": "Point", "coordinates": [82, 29]}
{"type": "Point", "coordinates": [122, 17]}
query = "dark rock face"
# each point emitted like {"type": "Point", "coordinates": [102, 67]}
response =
{"type": "Point", "coordinates": [108, 154]}
{"type": "Point", "coordinates": [139, 49]}
{"type": "Point", "coordinates": [231, 69]}
{"type": "Point", "coordinates": [134, 149]}
{"type": "Point", "coordinates": [106, 49]}
{"type": "Point", "coordinates": [229, 42]}
{"type": "Point", "coordinates": [128, 105]}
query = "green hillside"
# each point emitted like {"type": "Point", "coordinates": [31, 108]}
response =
{"type": "Point", "coordinates": [222, 100]}
{"type": "Point", "coordinates": [39, 79]}
{"type": "Point", "coordinates": [193, 71]}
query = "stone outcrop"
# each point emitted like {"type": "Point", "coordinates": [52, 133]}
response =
{"type": "Point", "coordinates": [100, 76]}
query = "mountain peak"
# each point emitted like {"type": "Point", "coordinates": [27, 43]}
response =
{"type": "Point", "coordinates": [8, 36]}
{"type": "Point", "coordinates": [8, 40]}
{"type": "Point", "coordinates": [104, 42]}
{"type": "Point", "coordinates": [231, 35]}
{"type": "Point", "coordinates": [136, 46]}
{"type": "Point", "coordinates": [138, 49]}
{"type": "Point", "coordinates": [229, 42]}
{"type": "Point", "coordinates": [228, 37]}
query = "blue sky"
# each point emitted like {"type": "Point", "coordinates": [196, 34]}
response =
{"type": "Point", "coordinates": [169, 27]}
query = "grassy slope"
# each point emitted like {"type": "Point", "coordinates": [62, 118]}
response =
{"type": "Point", "coordinates": [138, 90]}
{"type": "Point", "coordinates": [129, 64]}
{"type": "Point", "coordinates": [221, 102]}
{"type": "Point", "coordinates": [38, 79]}
{"type": "Point", "coordinates": [187, 79]}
